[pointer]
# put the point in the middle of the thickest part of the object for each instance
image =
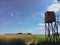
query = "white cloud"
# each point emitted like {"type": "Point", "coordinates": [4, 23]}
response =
{"type": "Point", "coordinates": [41, 24]}
{"type": "Point", "coordinates": [55, 0]}
{"type": "Point", "coordinates": [54, 7]}
{"type": "Point", "coordinates": [33, 16]}
{"type": "Point", "coordinates": [11, 14]}
{"type": "Point", "coordinates": [35, 31]}
{"type": "Point", "coordinates": [20, 22]}
{"type": "Point", "coordinates": [42, 14]}
{"type": "Point", "coordinates": [38, 30]}
{"type": "Point", "coordinates": [29, 31]}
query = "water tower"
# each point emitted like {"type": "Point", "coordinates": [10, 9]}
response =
{"type": "Point", "coordinates": [51, 27]}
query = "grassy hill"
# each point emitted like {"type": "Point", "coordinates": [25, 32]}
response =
{"type": "Point", "coordinates": [26, 37]}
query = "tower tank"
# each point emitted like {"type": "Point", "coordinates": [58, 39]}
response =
{"type": "Point", "coordinates": [49, 17]}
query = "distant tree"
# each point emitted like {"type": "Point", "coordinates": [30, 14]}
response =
{"type": "Point", "coordinates": [19, 33]}
{"type": "Point", "coordinates": [29, 33]}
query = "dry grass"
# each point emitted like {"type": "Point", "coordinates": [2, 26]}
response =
{"type": "Point", "coordinates": [28, 38]}
{"type": "Point", "coordinates": [12, 36]}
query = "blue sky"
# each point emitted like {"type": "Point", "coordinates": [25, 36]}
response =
{"type": "Point", "coordinates": [23, 15]}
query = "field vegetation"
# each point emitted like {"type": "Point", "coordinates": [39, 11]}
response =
{"type": "Point", "coordinates": [25, 39]}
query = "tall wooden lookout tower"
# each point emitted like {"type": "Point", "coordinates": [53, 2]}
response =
{"type": "Point", "coordinates": [51, 27]}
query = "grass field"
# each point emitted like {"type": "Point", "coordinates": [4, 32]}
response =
{"type": "Point", "coordinates": [27, 38]}
{"type": "Point", "coordinates": [22, 39]}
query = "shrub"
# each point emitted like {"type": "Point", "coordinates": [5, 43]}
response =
{"type": "Point", "coordinates": [19, 33]}
{"type": "Point", "coordinates": [29, 33]}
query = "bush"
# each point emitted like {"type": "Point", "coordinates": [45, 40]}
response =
{"type": "Point", "coordinates": [29, 33]}
{"type": "Point", "coordinates": [19, 33]}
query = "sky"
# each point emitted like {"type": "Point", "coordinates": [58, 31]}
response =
{"type": "Point", "coordinates": [25, 16]}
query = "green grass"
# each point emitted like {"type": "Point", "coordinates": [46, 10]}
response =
{"type": "Point", "coordinates": [41, 37]}
{"type": "Point", "coordinates": [38, 38]}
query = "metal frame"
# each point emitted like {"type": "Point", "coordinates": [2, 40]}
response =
{"type": "Point", "coordinates": [51, 27]}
